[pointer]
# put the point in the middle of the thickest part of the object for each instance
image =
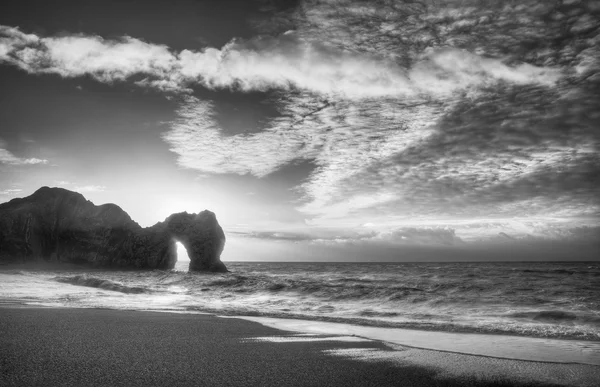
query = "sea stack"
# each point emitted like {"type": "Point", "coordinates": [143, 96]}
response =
{"type": "Point", "coordinates": [55, 224]}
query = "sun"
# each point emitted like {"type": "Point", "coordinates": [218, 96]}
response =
{"type": "Point", "coordinates": [182, 255]}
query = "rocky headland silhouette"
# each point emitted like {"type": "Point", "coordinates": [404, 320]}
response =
{"type": "Point", "coordinates": [55, 224]}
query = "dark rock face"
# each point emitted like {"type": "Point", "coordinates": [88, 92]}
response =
{"type": "Point", "coordinates": [55, 224]}
{"type": "Point", "coordinates": [201, 235]}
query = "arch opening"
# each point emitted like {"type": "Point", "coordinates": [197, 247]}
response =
{"type": "Point", "coordinates": [183, 260]}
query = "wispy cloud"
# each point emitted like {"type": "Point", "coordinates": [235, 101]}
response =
{"type": "Point", "coordinates": [7, 157]}
{"type": "Point", "coordinates": [62, 182]}
{"type": "Point", "coordinates": [79, 188]}
{"type": "Point", "coordinates": [198, 141]}
{"type": "Point", "coordinates": [89, 188]}
{"type": "Point", "coordinates": [10, 191]}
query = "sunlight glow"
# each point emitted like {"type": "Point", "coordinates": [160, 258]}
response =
{"type": "Point", "coordinates": [182, 255]}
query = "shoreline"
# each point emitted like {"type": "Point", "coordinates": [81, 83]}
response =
{"type": "Point", "coordinates": [54, 338]}
{"type": "Point", "coordinates": [481, 343]}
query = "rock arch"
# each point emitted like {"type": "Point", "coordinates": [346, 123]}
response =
{"type": "Point", "coordinates": [201, 236]}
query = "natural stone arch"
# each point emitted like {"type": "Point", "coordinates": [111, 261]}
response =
{"type": "Point", "coordinates": [201, 236]}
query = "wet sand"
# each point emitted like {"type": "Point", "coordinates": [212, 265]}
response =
{"type": "Point", "coordinates": [100, 347]}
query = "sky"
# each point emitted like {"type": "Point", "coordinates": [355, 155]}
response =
{"type": "Point", "coordinates": [317, 129]}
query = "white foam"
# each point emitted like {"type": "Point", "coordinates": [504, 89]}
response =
{"type": "Point", "coordinates": [175, 311]}
{"type": "Point", "coordinates": [304, 338]}
{"type": "Point", "coordinates": [501, 346]}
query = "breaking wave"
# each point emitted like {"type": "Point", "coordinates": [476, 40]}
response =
{"type": "Point", "coordinates": [93, 282]}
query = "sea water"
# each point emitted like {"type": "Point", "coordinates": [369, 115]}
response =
{"type": "Point", "coordinates": [545, 299]}
{"type": "Point", "coordinates": [535, 299]}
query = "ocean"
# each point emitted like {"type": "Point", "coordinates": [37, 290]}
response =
{"type": "Point", "coordinates": [534, 299]}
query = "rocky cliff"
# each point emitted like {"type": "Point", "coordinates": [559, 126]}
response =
{"type": "Point", "coordinates": [55, 224]}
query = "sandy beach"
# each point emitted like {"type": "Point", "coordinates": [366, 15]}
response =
{"type": "Point", "coordinates": [101, 347]}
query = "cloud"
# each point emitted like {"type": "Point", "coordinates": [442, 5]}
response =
{"type": "Point", "coordinates": [461, 234]}
{"type": "Point", "coordinates": [7, 157]}
{"type": "Point", "coordinates": [72, 56]}
{"type": "Point", "coordinates": [278, 235]}
{"type": "Point", "coordinates": [79, 188]}
{"type": "Point", "coordinates": [107, 60]}
{"type": "Point", "coordinates": [198, 141]}
{"type": "Point", "coordinates": [414, 236]}
{"type": "Point", "coordinates": [520, 229]}
{"type": "Point", "coordinates": [12, 39]}
{"type": "Point", "coordinates": [420, 236]}
{"type": "Point", "coordinates": [532, 31]}
{"type": "Point", "coordinates": [90, 188]}
{"type": "Point", "coordinates": [289, 61]}
{"type": "Point", "coordinates": [282, 63]}
{"type": "Point", "coordinates": [10, 191]}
